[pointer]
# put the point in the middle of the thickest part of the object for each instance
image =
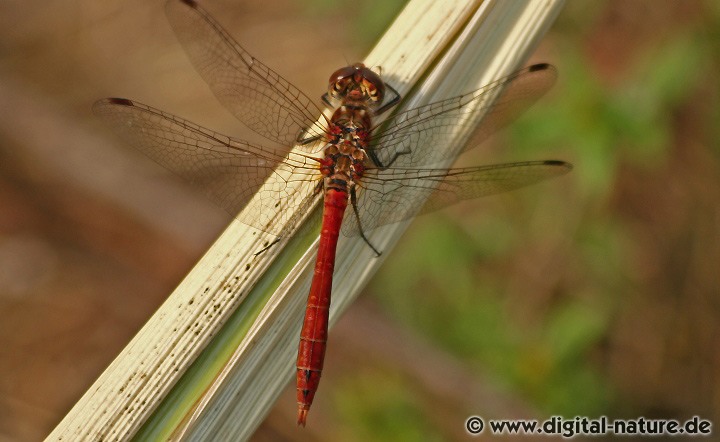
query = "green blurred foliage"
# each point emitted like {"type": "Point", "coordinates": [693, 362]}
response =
{"type": "Point", "coordinates": [380, 406]}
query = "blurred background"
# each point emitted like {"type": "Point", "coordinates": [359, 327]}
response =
{"type": "Point", "coordinates": [597, 293]}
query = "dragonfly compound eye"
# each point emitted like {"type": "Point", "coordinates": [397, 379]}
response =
{"type": "Point", "coordinates": [356, 84]}
{"type": "Point", "coordinates": [372, 85]}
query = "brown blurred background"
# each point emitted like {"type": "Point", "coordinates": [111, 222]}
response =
{"type": "Point", "coordinates": [598, 293]}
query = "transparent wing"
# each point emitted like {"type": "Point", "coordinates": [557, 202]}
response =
{"type": "Point", "coordinates": [258, 96]}
{"type": "Point", "coordinates": [229, 171]}
{"type": "Point", "coordinates": [419, 137]}
{"type": "Point", "coordinates": [392, 195]}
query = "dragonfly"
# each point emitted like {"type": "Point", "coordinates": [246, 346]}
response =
{"type": "Point", "coordinates": [382, 171]}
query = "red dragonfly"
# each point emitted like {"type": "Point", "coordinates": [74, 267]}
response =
{"type": "Point", "coordinates": [384, 161]}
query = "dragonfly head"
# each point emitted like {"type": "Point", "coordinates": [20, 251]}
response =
{"type": "Point", "coordinates": [357, 84]}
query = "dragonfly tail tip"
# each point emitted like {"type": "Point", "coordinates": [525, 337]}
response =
{"type": "Point", "coordinates": [302, 416]}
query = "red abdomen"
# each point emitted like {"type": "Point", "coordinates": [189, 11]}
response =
{"type": "Point", "coordinates": [313, 337]}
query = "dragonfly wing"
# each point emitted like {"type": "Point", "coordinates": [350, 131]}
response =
{"type": "Point", "coordinates": [393, 195]}
{"type": "Point", "coordinates": [227, 170]}
{"type": "Point", "coordinates": [419, 137]}
{"type": "Point", "coordinates": [258, 96]}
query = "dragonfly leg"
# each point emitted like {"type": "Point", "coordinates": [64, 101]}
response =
{"type": "Point", "coordinates": [326, 100]}
{"type": "Point", "coordinates": [318, 189]}
{"type": "Point", "coordinates": [389, 103]}
{"type": "Point", "coordinates": [379, 164]}
{"type": "Point", "coordinates": [353, 202]}
{"type": "Point", "coordinates": [305, 141]}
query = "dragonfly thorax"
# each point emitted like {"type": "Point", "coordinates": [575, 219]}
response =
{"type": "Point", "coordinates": [352, 118]}
{"type": "Point", "coordinates": [350, 124]}
{"type": "Point", "coordinates": [344, 160]}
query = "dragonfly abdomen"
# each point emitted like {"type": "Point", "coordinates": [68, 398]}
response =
{"type": "Point", "coordinates": [313, 337]}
